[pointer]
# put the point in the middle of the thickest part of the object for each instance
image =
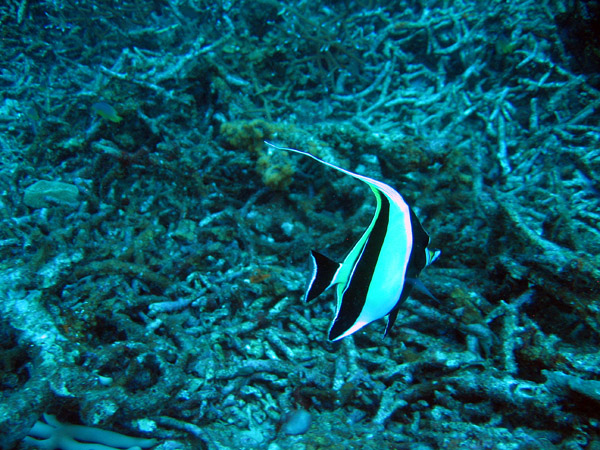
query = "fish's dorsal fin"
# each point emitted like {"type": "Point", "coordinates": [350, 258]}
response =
{"type": "Point", "coordinates": [374, 184]}
{"type": "Point", "coordinates": [323, 272]}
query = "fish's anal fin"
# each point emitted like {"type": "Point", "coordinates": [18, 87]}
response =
{"type": "Point", "coordinates": [323, 272]}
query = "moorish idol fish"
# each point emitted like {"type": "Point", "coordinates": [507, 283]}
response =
{"type": "Point", "coordinates": [381, 269]}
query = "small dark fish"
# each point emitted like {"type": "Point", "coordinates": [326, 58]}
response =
{"type": "Point", "coordinates": [105, 110]}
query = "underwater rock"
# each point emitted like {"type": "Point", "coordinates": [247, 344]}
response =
{"type": "Point", "coordinates": [46, 193]}
{"type": "Point", "coordinates": [296, 422]}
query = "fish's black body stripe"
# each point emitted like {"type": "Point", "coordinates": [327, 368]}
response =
{"type": "Point", "coordinates": [355, 295]}
{"type": "Point", "coordinates": [418, 255]}
{"type": "Point", "coordinates": [416, 262]}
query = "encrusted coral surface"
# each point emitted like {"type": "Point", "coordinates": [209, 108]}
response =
{"type": "Point", "coordinates": [164, 300]}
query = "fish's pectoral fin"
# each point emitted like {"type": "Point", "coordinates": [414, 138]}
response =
{"type": "Point", "coordinates": [323, 272]}
{"type": "Point", "coordinates": [411, 283]}
{"type": "Point", "coordinates": [419, 286]}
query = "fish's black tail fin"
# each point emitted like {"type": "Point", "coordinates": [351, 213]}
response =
{"type": "Point", "coordinates": [323, 271]}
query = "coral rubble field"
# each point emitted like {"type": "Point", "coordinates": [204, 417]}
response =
{"type": "Point", "coordinates": [154, 250]}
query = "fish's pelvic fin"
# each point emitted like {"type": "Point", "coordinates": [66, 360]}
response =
{"type": "Point", "coordinates": [323, 272]}
{"type": "Point", "coordinates": [391, 319]}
